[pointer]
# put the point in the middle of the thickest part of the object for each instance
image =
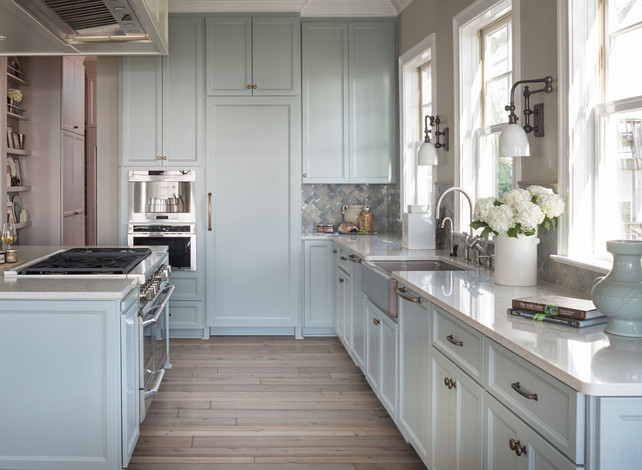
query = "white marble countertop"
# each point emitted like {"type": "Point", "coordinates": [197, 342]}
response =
{"type": "Point", "coordinates": [586, 359]}
{"type": "Point", "coordinates": [57, 288]}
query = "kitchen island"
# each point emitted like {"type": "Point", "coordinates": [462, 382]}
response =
{"type": "Point", "coordinates": [68, 362]}
{"type": "Point", "coordinates": [581, 389]}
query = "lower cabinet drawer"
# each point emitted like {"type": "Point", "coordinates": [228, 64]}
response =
{"type": "Point", "coordinates": [551, 408]}
{"type": "Point", "coordinates": [458, 341]}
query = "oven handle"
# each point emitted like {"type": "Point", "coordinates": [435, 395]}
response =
{"type": "Point", "coordinates": [152, 321]}
{"type": "Point", "coordinates": [157, 381]}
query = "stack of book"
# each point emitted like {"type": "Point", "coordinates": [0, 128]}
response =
{"type": "Point", "coordinates": [569, 311]}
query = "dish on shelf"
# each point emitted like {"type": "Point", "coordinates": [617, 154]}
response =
{"type": "Point", "coordinates": [17, 207]}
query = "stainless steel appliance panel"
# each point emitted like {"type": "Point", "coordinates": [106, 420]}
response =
{"type": "Point", "coordinates": [156, 195]}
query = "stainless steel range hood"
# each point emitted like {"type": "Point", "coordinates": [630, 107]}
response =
{"type": "Point", "coordinates": [83, 27]}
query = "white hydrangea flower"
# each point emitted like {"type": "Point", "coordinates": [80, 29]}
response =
{"type": "Point", "coordinates": [552, 204]}
{"type": "Point", "coordinates": [483, 207]}
{"type": "Point", "coordinates": [516, 196]}
{"type": "Point", "coordinates": [529, 215]}
{"type": "Point", "coordinates": [501, 218]}
{"type": "Point", "coordinates": [536, 190]}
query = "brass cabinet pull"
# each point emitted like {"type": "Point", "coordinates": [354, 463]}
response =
{"type": "Point", "coordinates": [531, 396]}
{"type": "Point", "coordinates": [454, 341]}
{"type": "Point", "coordinates": [517, 447]}
{"type": "Point", "coordinates": [159, 158]}
{"type": "Point", "coordinates": [450, 383]}
{"type": "Point", "coordinates": [401, 292]}
{"type": "Point", "coordinates": [209, 212]}
{"type": "Point", "coordinates": [354, 259]}
{"type": "Point", "coordinates": [376, 321]}
{"type": "Point", "coordinates": [164, 157]}
{"type": "Point", "coordinates": [255, 87]}
{"type": "Point", "coordinates": [305, 175]}
{"type": "Point", "coordinates": [249, 87]}
{"type": "Point", "coordinates": [343, 258]}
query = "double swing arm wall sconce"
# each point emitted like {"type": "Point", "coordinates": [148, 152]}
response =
{"type": "Point", "coordinates": [428, 151]}
{"type": "Point", "coordinates": [513, 141]}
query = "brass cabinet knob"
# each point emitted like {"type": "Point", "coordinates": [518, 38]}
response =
{"type": "Point", "coordinates": [517, 447]}
{"type": "Point", "coordinates": [255, 87]}
{"type": "Point", "coordinates": [159, 158]}
{"type": "Point", "coordinates": [164, 158]}
{"type": "Point", "coordinates": [341, 280]}
{"type": "Point", "coordinates": [376, 321]}
{"type": "Point", "coordinates": [305, 175]}
{"type": "Point", "coordinates": [450, 383]}
{"type": "Point", "coordinates": [249, 87]}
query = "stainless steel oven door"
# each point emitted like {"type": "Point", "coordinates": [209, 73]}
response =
{"type": "Point", "coordinates": [154, 346]}
{"type": "Point", "coordinates": [182, 245]}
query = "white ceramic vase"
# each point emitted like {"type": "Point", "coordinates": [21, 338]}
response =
{"type": "Point", "coordinates": [516, 260]}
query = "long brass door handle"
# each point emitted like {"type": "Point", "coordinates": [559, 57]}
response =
{"type": "Point", "coordinates": [209, 212]}
{"type": "Point", "coordinates": [531, 396]}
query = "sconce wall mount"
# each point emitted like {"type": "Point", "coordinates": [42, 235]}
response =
{"type": "Point", "coordinates": [538, 109]}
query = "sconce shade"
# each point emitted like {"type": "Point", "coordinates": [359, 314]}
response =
{"type": "Point", "coordinates": [513, 142]}
{"type": "Point", "coordinates": [427, 154]}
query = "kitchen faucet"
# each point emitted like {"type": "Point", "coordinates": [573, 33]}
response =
{"type": "Point", "coordinates": [470, 240]}
{"type": "Point", "coordinates": [443, 224]}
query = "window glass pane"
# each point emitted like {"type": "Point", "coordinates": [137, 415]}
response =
{"type": "Point", "coordinates": [624, 13]}
{"type": "Point", "coordinates": [625, 65]}
{"type": "Point", "coordinates": [497, 59]}
{"type": "Point", "coordinates": [619, 198]}
{"type": "Point", "coordinates": [496, 99]}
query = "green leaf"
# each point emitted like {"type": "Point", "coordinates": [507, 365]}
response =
{"type": "Point", "coordinates": [486, 233]}
{"type": "Point", "coordinates": [497, 203]}
{"type": "Point", "coordinates": [530, 232]}
{"type": "Point", "coordinates": [478, 224]}
{"type": "Point", "coordinates": [513, 231]}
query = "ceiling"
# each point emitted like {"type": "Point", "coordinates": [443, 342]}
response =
{"type": "Point", "coordinates": [307, 8]}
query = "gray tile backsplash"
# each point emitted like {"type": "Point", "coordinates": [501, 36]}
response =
{"type": "Point", "coordinates": [322, 203]}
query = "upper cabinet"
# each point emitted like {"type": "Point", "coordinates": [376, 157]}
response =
{"type": "Point", "coordinates": [349, 102]}
{"type": "Point", "coordinates": [256, 56]}
{"type": "Point", "coordinates": [73, 95]}
{"type": "Point", "coordinates": [162, 101]}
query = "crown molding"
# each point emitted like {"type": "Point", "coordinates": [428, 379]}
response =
{"type": "Point", "coordinates": [306, 8]}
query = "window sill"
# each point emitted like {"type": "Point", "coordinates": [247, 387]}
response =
{"type": "Point", "coordinates": [592, 264]}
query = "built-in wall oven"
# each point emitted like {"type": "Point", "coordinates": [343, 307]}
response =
{"type": "Point", "coordinates": [180, 239]}
{"type": "Point", "coordinates": [161, 195]}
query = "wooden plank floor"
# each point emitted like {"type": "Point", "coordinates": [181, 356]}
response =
{"type": "Point", "coordinates": [267, 403]}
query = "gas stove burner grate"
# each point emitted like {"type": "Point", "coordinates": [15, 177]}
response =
{"type": "Point", "coordinates": [90, 261]}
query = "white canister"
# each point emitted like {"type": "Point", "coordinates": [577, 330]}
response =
{"type": "Point", "coordinates": [516, 260]}
{"type": "Point", "coordinates": [351, 213]}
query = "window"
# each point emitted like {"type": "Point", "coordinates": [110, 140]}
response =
{"type": "Point", "coordinates": [417, 79]}
{"type": "Point", "coordinates": [604, 171]}
{"type": "Point", "coordinates": [484, 50]}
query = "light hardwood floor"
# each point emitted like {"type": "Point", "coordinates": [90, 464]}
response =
{"type": "Point", "coordinates": [267, 403]}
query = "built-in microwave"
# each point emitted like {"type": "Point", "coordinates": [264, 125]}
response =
{"type": "Point", "coordinates": [161, 195]}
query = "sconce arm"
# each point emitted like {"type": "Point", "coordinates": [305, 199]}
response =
{"type": "Point", "coordinates": [548, 87]}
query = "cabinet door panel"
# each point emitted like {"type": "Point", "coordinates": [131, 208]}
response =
{"type": "Point", "coordinates": [276, 56]}
{"type": "Point", "coordinates": [252, 192]}
{"type": "Point", "coordinates": [318, 284]}
{"type": "Point", "coordinates": [141, 110]}
{"type": "Point", "coordinates": [229, 56]}
{"type": "Point", "coordinates": [444, 414]}
{"type": "Point", "coordinates": [501, 426]}
{"type": "Point", "coordinates": [414, 379]}
{"type": "Point", "coordinates": [325, 102]}
{"type": "Point", "coordinates": [388, 366]}
{"type": "Point", "coordinates": [183, 92]}
{"type": "Point", "coordinates": [373, 329]}
{"type": "Point", "coordinates": [372, 102]}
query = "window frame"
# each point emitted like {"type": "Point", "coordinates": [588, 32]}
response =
{"type": "Point", "coordinates": [467, 126]}
{"type": "Point", "coordinates": [583, 94]}
{"type": "Point", "coordinates": [410, 109]}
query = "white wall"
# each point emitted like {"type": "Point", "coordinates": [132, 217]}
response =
{"type": "Point", "coordinates": [107, 155]}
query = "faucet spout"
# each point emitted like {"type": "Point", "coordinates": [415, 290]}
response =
{"type": "Point", "coordinates": [470, 204]}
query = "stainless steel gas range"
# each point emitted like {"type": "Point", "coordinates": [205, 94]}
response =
{"type": "Point", "coordinates": [149, 267]}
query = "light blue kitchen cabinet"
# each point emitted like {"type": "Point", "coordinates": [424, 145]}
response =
{"type": "Point", "coordinates": [186, 318]}
{"type": "Point", "coordinates": [253, 56]}
{"type": "Point", "coordinates": [381, 356]}
{"type": "Point", "coordinates": [161, 101]}
{"type": "Point", "coordinates": [317, 290]}
{"type": "Point", "coordinates": [457, 420]}
{"type": "Point", "coordinates": [253, 242]}
{"type": "Point", "coordinates": [69, 388]}
{"type": "Point", "coordinates": [511, 444]}
{"type": "Point", "coordinates": [617, 431]}
{"type": "Point", "coordinates": [414, 373]}
{"type": "Point", "coordinates": [357, 314]}
{"type": "Point", "coordinates": [343, 307]}
{"type": "Point", "coordinates": [349, 102]}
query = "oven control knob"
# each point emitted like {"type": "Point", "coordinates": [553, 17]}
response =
{"type": "Point", "coordinates": [168, 270]}
{"type": "Point", "coordinates": [150, 293]}
{"type": "Point", "coordinates": [163, 275]}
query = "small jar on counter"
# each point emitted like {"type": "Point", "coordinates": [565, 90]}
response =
{"type": "Point", "coordinates": [325, 228]}
{"type": "Point", "coordinates": [365, 220]}
{"type": "Point", "coordinates": [11, 256]}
